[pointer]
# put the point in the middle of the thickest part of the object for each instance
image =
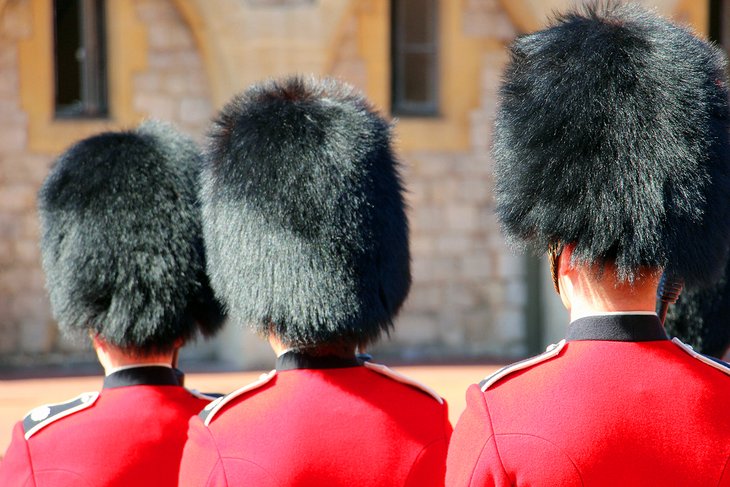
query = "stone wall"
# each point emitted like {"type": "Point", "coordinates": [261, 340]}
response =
{"type": "Point", "coordinates": [468, 295]}
{"type": "Point", "coordinates": [172, 87]}
{"type": "Point", "coordinates": [25, 321]}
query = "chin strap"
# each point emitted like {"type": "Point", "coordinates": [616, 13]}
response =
{"type": "Point", "coordinates": [670, 287]}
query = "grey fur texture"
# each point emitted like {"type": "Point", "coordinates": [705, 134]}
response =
{"type": "Point", "coordinates": [122, 240]}
{"type": "Point", "coordinates": [612, 134]}
{"type": "Point", "coordinates": [304, 218]}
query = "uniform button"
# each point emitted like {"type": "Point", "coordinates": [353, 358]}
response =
{"type": "Point", "coordinates": [41, 413]}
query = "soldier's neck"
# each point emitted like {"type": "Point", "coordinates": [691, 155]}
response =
{"type": "Point", "coordinates": [585, 292]}
{"type": "Point", "coordinates": [112, 358]}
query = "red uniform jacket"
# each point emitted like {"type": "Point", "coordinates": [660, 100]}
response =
{"type": "Point", "coordinates": [320, 422]}
{"type": "Point", "coordinates": [129, 435]}
{"type": "Point", "coordinates": [615, 404]}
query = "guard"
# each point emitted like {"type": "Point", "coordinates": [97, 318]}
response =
{"type": "Point", "coordinates": [611, 144]}
{"type": "Point", "coordinates": [307, 241]}
{"type": "Point", "coordinates": [123, 256]}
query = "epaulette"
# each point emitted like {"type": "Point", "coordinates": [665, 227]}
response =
{"type": "Point", "coordinates": [209, 412]}
{"type": "Point", "coordinates": [397, 376]}
{"type": "Point", "coordinates": [42, 416]}
{"type": "Point", "coordinates": [720, 365]}
{"type": "Point", "coordinates": [551, 351]}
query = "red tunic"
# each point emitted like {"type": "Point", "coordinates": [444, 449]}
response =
{"type": "Point", "coordinates": [129, 435]}
{"type": "Point", "coordinates": [618, 404]}
{"type": "Point", "coordinates": [320, 424]}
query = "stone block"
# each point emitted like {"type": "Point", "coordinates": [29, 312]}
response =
{"type": "Point", "coordinates": [473, 190]}
{"type": "Point", "coordinates": [155, 12]}
{"type": "Point", "coordinates": [8, 56]}
{"type": "Point", "coordinates": [149, 82]}
{"type": "Point", "coordinates": [425, 297]}
{"type": "Point", "coordinates": [13, 137]}
{"type": "Point", "coordinates": [516, 293]}
{"type": "Point", "coordinates": [477, 266]}
{"type": "Point", "coordinates": [31, 315]}
{"type": "Point", "coordinates": [434, 270]}
{"type": "Point", "coordinates": [451, 330]}
{"type": "Point", "coordinates": [432, 165]}
{"type": "Point", "coordinates": [462, 217]}
{"type": "Point", "coordinates": [427, 219]}
{"type": "Point", "coordinates": [9, 84]}
{"type": "Point", "coordinates": [195, 110]}
{"type": "Point", "coordinates": [509, 326]}
{"type": "Point", "coordinates": [16, 20]}
{"type": "Point", "coordinates": [11, 226]}
{"type": "Point", "coordinates": [170, 36]}
{"type": "Point", "coordinates": [416, 193]}
{"type": "Point", "coordinates": [18, 198]}
{"type": "Point", "coordinates": [416, 328]}
{"type": "Point", "coordinates": [510, 265]}
{"type": "Point", "coordinates": [156, 106]}
{"type": "Point", "coordinates": [443, 190]}
{"type": "Point", "coordinates": [422, 247]}
{"type": "Point", "coordinates": [459, 296]}
{"type": "Point", "coordinates": [454, 244]}
{"type": "Point", "coordinates": [27, 252]}
{"type": "Point", "coordinates": [31, 226]}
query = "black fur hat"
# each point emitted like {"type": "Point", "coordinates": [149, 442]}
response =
{"type": "Point", "coordinates": [612, 134]}
{"type": "Point", "coordinates": [304, 218]}
{"type": "Point", "coordinates": [122, 240]}
{"type": "Point", "coordinates": [700, 318]}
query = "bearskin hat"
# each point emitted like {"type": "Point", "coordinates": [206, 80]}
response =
{"type": "Point", "coordinates": [700, 318]}
{"type": "Point", "coordinates": [612, 134]}
{"type": "Point", "coordinates": [304, 219]}
{"type": "Point", "coordinates": [122, 241]}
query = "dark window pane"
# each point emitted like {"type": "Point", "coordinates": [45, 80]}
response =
{"type": "Point", "coordinates": [417, 78]}
{"type": "Point", "coordinates": [418, 18]}
{"type": "Point", "coordinates": [68, 44]}
{"type": "Point", "coordinates": [80, 58]}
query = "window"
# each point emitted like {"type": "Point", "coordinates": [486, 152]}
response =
{"type": "Point", "coordinates": [414, 57]}
{"type": "Point", "coordinates": [80, 59]}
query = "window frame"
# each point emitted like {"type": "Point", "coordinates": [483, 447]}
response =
{"type": "Point", "coordinates": [400, 48]}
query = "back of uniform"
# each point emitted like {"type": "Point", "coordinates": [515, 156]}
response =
{"type": "Point", "coordinates": [321, 426]}
{"type": "Point", "coordinates": [130, 434]}
{"type": "Point", "coordinates": [599, 412]}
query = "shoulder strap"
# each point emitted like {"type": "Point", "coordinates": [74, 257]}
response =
{"type": "Point", "coordinates": [44, 415]}
{"type": "Point", "coordinates": [209, 412]}
{"type": "Point", "coordinates": [712, 362]}
{"type": "Point", "coordinates": [550, 352]}
{"type": "Point", "coordinates": [397, 376]}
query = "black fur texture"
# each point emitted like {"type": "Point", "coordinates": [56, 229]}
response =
{"type": "Point", "coordinates": [122, 240]}
{"type": "Point", "coordinates": [304, 219]}
{"type": "Point", "coordinates": [701, 318]}
{"type": "Point", "coordinates": [612, 134]}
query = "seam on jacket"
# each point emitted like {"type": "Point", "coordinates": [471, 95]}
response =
{"type": "Point", "coordinates": [493, 436]}
{"type": "Point", "coordinates": [31, 475]}
{"type": "Point", "coordinates": [420, 454]}
{"type": "Point", "coordinates": [220, 458]}
{"type": "Point", "coordinates": [724, 469]}
{"type": "Point", "coordinates": [580, 476]}
{"type": "Point", "coordinates": [268, 473]}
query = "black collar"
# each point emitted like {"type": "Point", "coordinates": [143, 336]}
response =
{"type": "Point", "coordinates": [144, 375]}
{"type": "Point", "coordinates": [294, 359]}
{"type": "Point", "coordinates": [621, 328]}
